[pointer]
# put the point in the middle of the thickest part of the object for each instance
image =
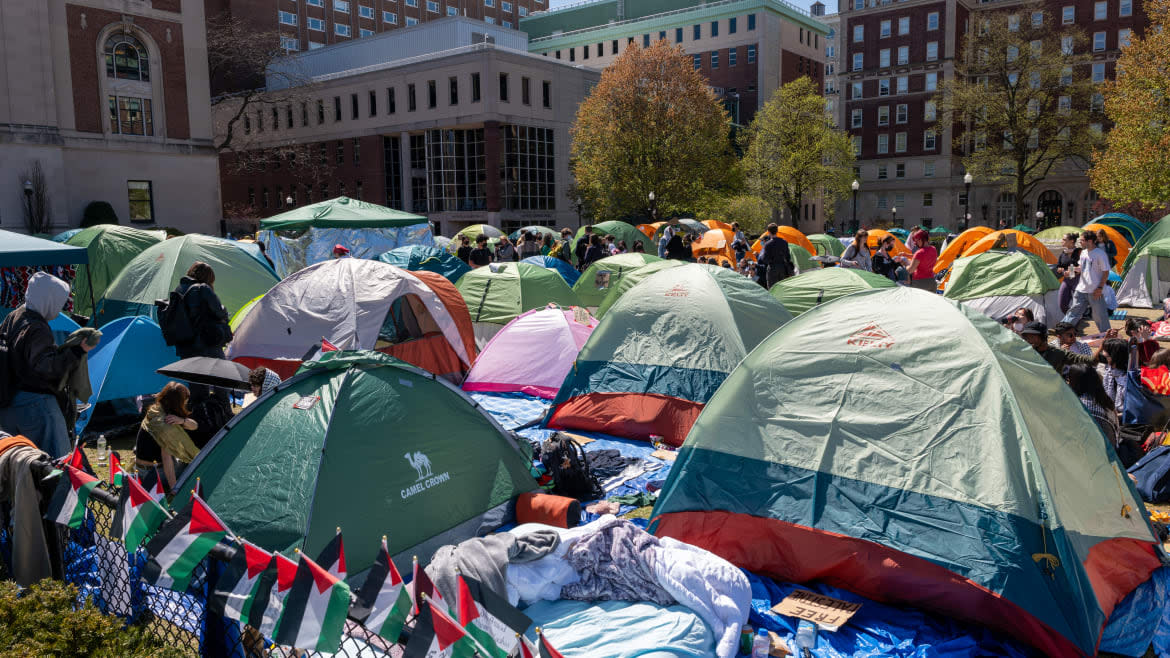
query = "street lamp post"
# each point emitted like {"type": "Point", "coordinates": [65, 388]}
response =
{"type": "Point", "coordinates": [894, 215]}
{"type": "Point", "coordinates": [579, 204]}
{"type": "Point", "coordinates": [856, 186]}
{"type": "Point", "coordinates": [653, 208]}
{"type": "Point", "coordinates": [967, 180]}
{"type": "Point", "coordinates": [28, 195]}
{"type": "Point", "coordinates": [1039, 218]}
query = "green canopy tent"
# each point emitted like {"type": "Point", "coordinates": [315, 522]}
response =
{"type": "Point", "coordinates": [342, 212]}
{"type": "Point", "coordinates": [600, 276]}
{"type": "Point", "coordinates": [155, 272]}
{"type": "Point", "coordinates": [826, 245]}
{"type": "Point", "coordinates": [631, 279]}
{"type": "Point", "coordinates": [996, 283]}
{"type": "Point", "coordinates": [110, 248]}
{"type": "Point", "coordinates": [1024, 228]}
{"type": "Point", "coordinates": [366, 443]}
{"type": "Point", "coordinates": [620, 231]}
{"type": "Point", "coordinates": [802, 292]}
{"type": "Point", "coordinates": [497, 293]}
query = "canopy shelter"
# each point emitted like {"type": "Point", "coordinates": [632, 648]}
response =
{"type": "Point", "coordinates": [1023, 228]}
{"type": "Point", "coordinates": [365, 443]}
{"type": "Point", "coordinates": [360, 304]}
{"type": "Point", "coordinates": [957, 245]}
{"type": "Point", "coordinates": [826, 245]}
{"type": "Point", "coordinates": [124, 362]}
{"type": "Point", "coordinates": [620, 231]}
{"type": "Point", "coordinates": [342, 212]}
{"type": "Point", "coordinates": [533, 353]}
{"type": "Point", "coordinates": [800, 293]}
{"type": "Point", "coordinates": [791, 235]}
{"type": "Point", "coordinates": [996, 283]}
{"type": "Point", "coordinates": [562, 267]}
{"type": "Point", "coordinates": [499, 292]}
{"type": "Point", "coordinates": [432, 259]}
{"type": "Point", "coordinates": [111, 248]}
{"type": "Point", "coordinates": [998, 239]}
{"type": "Point", "coordinates": [602, 275]}
{"type": "Point", "coordinates": [1129, 226]}
{"type": "Point", "coordinates": [1118, 240]}
{"type": "Point", "coordinates": [662, 350]}
{"type": "Point", "coordinates": [156, 271]}
{"type": "Point", "coordinates": [859, 446]}
{"type": "Point", "coordinates": [630, 279]}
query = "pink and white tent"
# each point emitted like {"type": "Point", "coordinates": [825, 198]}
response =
{"type": "Point", "coordinates": [532, 353]}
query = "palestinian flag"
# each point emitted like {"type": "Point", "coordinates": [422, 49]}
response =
{"type": "Point", "coordinates": [489, 618]}
{"type": "Point", "coordinates": [137, 516]}
{"type": "Point", "coordinates": [332, 557]}
{"type": "Point", "coordinates": [198, 489]}
{"type": "Point", "coordinates": [268, 599]}
{"type": "Point", "coordinates": [151, 480]}
{"type": "Point", "coordinates": [181, 544]}
{"type": "Point", "coordinates": [525, 652]}
{"type": "Point", "coordinates": [78, 460]}
{"type": "Point", "coordinates": [326, 346]}
{"type": "Point", "coordinates": [420, 584]}
{"type": "Point", "coordinates": [116, 474]}
{"type": "Point", "coordinates": [67, 507]}
{"type": "Point", "coordinates": [314, 610]}
{"type": "Point", "coordinates": [437, 635]}
{"type": "Point", "coordinates": [237, 583]}
{"type": "Point", "coordinates": [546, 649]}
{"type": "Point", "coordinates": [383, 598]}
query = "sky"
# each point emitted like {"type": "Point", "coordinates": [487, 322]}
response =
{"type": "Point", "coordinates": [804, 4]}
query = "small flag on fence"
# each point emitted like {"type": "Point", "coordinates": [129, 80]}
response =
{"type": "Point", "coordinates": [268, 599]}
{"type": "Point", "coordinates": [181, 544]}
{"type": "Point", "coordinates": [314, 610]}
{"type": "Point", "coordinates": [546, 649]}
{"type": "Point", "coordinates": [67, 506]}
{"type": "Point", "coordinates": [115, 469]}
{"type": "Point", "coordinates": [237, 584]}
{"type": "Point", "coordinates": [421, 584]}
{"type": "Point", "coordinates": [437, 635]}
{"type": "Point", "coordinates": [332, 557]}
{"type": "Point", "coordinates": [151, 480]}
{"type": "Point", "coordinates": [78, 460]}
{"type": "Point", "coordinates": [383, 599]}
{"type": "Point", "coordinates": [138, 514]}
{"type": "Point", "coordinates": [198, 488]}
{"type": "Point", "coordinates": [489, 618]}
{"type": "Point", "coordinates": [525, 652]}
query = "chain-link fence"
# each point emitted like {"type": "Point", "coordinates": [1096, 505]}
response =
{"type": "Point", "coordinates": [93, 558]}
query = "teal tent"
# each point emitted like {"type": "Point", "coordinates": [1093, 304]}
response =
{"type": "Point", "coordinates": [17, 249]}
{"type": "Point", "coordinates": [431, 259]}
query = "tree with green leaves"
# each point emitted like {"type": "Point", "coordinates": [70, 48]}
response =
{"type": "Point", "coordinates": [1025, 99]}
{"type": "Point", "coordinates": [793, 151]}
{"type": "Point", "coordinates": [1134, 167]}
{"type": "Point", "coordinates": [651, 125]}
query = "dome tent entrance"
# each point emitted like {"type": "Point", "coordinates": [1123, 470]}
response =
{"type": "Point", "coordinates": [996, 283]}
{"type": "Point", "coordinates": [363, 442]}
{"type": "Point", "coordinates": [110, 248]}
{"type": "Point", "coordinates": [1147, 276]}
{"type": "Point", "coordinates": [990, 494]}
{"type": "Point", "coordinates": [355, 303]}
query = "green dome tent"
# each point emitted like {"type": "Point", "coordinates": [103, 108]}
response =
{"type": "Point", "coordinates": [604, 274]}
{"type": "Point", "coordinates": [155, 272]}
{"type": "Point", "coordinates": [1128, 226]}
{"type": "Point", "coordinates": [802, 259]}
{"type": "Point", "coordinates": [111, 248]}
{"type": "Point", "coordinates": [367, 443]}
{"type": "Point", "coordinates": [1053, 237]}
{"type": "Point", "coordinates": [472, 232]}
{"type": "Point", "coordinates": [826, 245]}
{"type": "Point", "coordinates": [497, 293]}
{"type": "Point", "coordinates": [802, 292]}
{"type": "Point", "coordinates": [631, 279]}
{"type": "Point", "coordinates": [996, 283]}
{"type": "Point", "coordinates": [620, 231]}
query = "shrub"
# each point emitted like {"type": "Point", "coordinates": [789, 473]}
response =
{"type": "Point", "coordinates": [98, 212]}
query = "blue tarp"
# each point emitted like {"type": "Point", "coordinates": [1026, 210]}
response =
{"type": "Point", "coordinates": [124, 362]}
{"type": "Point", "coordinates": [567, 271]}
{"type": "Point", "coordinates": [17, 249]}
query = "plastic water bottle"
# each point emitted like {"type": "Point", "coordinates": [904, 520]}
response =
{"type": "Point", "coordinates": [102, 447]}
{"type": "Point", "coordinates": [806, 638]}
{"type": "Point", "coordinates": [762, 645]}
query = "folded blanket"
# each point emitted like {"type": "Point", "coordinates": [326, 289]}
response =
{"type": "Point", "coordinates": [486, 559]}
{"type": "Point", "coordinates": [615, 563]}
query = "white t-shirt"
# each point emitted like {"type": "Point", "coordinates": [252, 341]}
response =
{"type": "Point", "coordinates": [1094, 269]}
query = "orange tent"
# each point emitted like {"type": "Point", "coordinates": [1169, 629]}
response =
{"type": "Point", "coordinates": [1118, 241]}
{"type": "Point", "coordinates": [1023, 241]}
{"type": "Point", "coordinates": [959, 245]}
{"type": "Point", "coordinates": [876, 235]}
{"type": "Point", "coordinates": [716, 242]}
{"type": "Point", "coordinates": [793, 236]}
{"type": "Point", "coordinates": [648, 229]}
{"type": "Point", "coordinates": [715, 223]}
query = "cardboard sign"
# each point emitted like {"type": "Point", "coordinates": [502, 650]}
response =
{"type": "Point", "coordinates": [825, 611]}
{"type": "Point", "coordinates": [601, 279]}
{"type": "Point", "coordinates": [307, 402]}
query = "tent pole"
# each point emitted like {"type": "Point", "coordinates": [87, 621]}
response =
{"type": "Point", "coordinates": [89, 280]}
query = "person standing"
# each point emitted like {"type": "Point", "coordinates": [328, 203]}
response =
{"type": "Point", "coordinates": [1093, 270]}
{"type": "Point", "coordinates": [921, 264]}
{"type": "Point", "coordinates": [208, 318]}
{"type": "Point", "coordinates": [776, 256]}
{"type": "Point", "coordinates": [668, 232]}
{"type": "Point", "coordinates": [856, 255]}
{"type": "Point", "coordinates": [1108, 247]}
{"type": "Point", "coordinates": [481, 255]}
{"type": "Point", "coordinates": [463, 253]}
{"type": "Point", "coordinates": [505, 251]}
{"type": "Point", "coordinates": [564, 246]}
{"type": "Point", "coordinates": [1066, 263]}
{"type": "Point", "coordinates": [529, 246]}
{"type": "Point", "coordinates": [36, 366]}
{"type": "Point", "coordinates": [582, 246]}
{"type": "Point", "coordinates": [595, 252]}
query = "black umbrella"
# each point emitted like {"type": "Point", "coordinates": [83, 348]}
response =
{"type": "Point", "coordinates": [208, 370]}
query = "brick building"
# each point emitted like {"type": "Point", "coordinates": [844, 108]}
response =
{"type": "Point", "coordinates": [113, 105]}
{"type": "Point", "coordinates": [454, 120]}
{"type": "Point", "coordinates": [891, 58]}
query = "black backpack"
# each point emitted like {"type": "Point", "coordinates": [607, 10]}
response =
{"type": "Point", "coordinates": [568, 465]}
{"type": "Point", "coordinates": [175, 320]}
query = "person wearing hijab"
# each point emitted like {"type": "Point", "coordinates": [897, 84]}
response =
{"type": "Point", "coordinates": [37, 367]}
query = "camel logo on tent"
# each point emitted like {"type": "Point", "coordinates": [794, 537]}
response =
{"type": "Point", "coordinates": [871, 336]}
{"type": "Point", "coordinates": [420, 462]}
{"type": "Point", "coordinates": [426, 480]}
{"type": "Point", "coordinates": [679, 290]}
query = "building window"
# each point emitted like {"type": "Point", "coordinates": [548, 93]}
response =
{"type": "Point", "coordinates": [411, 98]}
{"type": "Point", "coordinates": [286, 18]}
{"type": "Point", "coordinates": [341, 5]}
{"type": "Point", "coordinates": [698, 61]}
{"type": "Point", "coordinates": [527, 176]}
{"type": "Point", "coordinates": [353, 106]}
{"type": "Point", "coordinates": [252, 197]}
{"type": "Point", "coordinates": [1123, 37]}
{"type": "Point", "coordinates": [504, 87]}
{"type": "Point", "coordinates": [1066, 75]}
{"type": "Point", "coordinates": [475, 95]}
{"type": "Point", "coordinates": [1068, 15]}
{"type": "Point", "coordinates": [884, 30]}
{"type": "Point", "coordinates": [585, 51]}
{"type": "Point", "coordinates": [339, 153]}
{"type": "Point", "coordinates": [1064, 104]}
{"type": "Point", "coordinates": [390, 104]}
{"type": "Point", "coordinates": [903, 55]}
{"type": "Point", "coordinates": [928, 198]}
{"type": "Point", "coordinates": [901, 113]}
{"type": "Point", "coordinates": [884, 58]}
{"type": "Point", "coordinates": [645, 40]}
{"type": "Point", "coordinates": [929, 111]}
{"type": "Point", "coordinates": [613, 46]}
{"type": "Point", "coordinates": [903, 84]}
{"type": "Point", "coordinates": [678, 34]}
{"type": "Point", "coordinates": [883, 117]}
{"type": "Point", "coordinates": [858, 61]}
{"type": "Point", "coordinates": [855, 90]}
{"type": "Point", "coordinates": [432, 94]}
{"type": "Point", "coordinates": [883, 172]}
{"type": "Point", "coordinates": [572, 54]}
{"type": "Point", "coordinates": [341, 29]}
{"type": "Point", "coordinates": [883, 202]}
{"type": "Point", "coordinates": [856, 139]}
{"type": "Point", "coordinates": [856, 119]}
{"type": "Point", "coordinates": [357, 151]}
{"type": "Point", "coordinates": [858, 33]}
{"type": "Point", "coordinates": [366, 12]}
{"type": "Point", "coordinates": [455, 163]}
{"type": "Point", "coordinates": [264, 197]}
{"type": "Point", "coordinates": [751, 21]}
{"type": "Point", "coordinates": [931, 51]}
{"type": "Point", "coordinates": [315, 3]}
{"type": "Point", "coordinates": [131, 116]}
{"type": "Point", "coordinates": [900, 142]}
{"type": "Point", "coordinates": [489, 3]}
{"type": "Point", "coordinates": [1037, 19]}
{"type": "Point", "coordinates": [141, 197]}
{"type": "Point", "coordinates": [363, 33]}
{"type": "Point", "coordinates": [714, 59]}
{"type": "Point", "coordinates": [928, 169]}
{"type": "Point", "coordinates": [126, 58]}
{"type": "Point", "coordinates": [506, 7]}
{"type": "Point", "coordinates": [525, 91]}
{"type": "Point", "coordinates": [1098, 71]}
{"type": "Point", "coordinates": [411, 22]}
{"type": "Point", "coordinates": [390, 17]}
{"type": "Point", "coordinates": [932, 20]}
{"type": "Point", "coordinates": [316, 24]}
{"type": "Point", "coordinates": [900, 171]}
{"type": "Point", "coordinates": [751, 54]}
{"type": "Point", "coordinates": [453, 90]}
{"type": "Point", "coordinates": [696, 32]}
{"type": "Point", "coordinates": [1125, 8]}
{"type": "Point", "coordinates": [932, 81]}
{"type": "Point", "coordinates": [523, 11]}
{"type": "Point", "coordinates": [661, 37]}
{"type": "Point", "coordinates": [731, 56]}
{"type": "Point", "coordinates": [714, 28]}
{"type": "Point", "coordinates": [731, 25]}
{"type": "Point", "coordinates": [928, 143]}
{"type": "Point", "coordinates": [1100, 10]}
{"type": "Point", "coordinates": [884, 87]}
{"type": "Point", "coordinates": [1098, 41]}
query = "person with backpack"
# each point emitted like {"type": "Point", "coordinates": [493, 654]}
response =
{"type": "Point", "coordinates": [193, 320]}
{"type": "Point", "coordinates": [582, 246]}
{"type": "Point", "coordinates": [32, 367]}
{"type": "Point", "coordinates": [776, 256]}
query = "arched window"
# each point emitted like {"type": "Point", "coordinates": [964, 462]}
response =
{"type": "Point", "coordinates": [126, 58]}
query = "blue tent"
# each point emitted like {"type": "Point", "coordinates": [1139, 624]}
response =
{"type": "Point", "coordinates": [124, 362]}
{"type": "Point", "coordinates": [18, 249]}
{"type": "Point", "coordinates": [64, 236]}
{"type": "Point", "coordinates": [567, 271]}
{"type": "Point", "coordinates": [431, 259]}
